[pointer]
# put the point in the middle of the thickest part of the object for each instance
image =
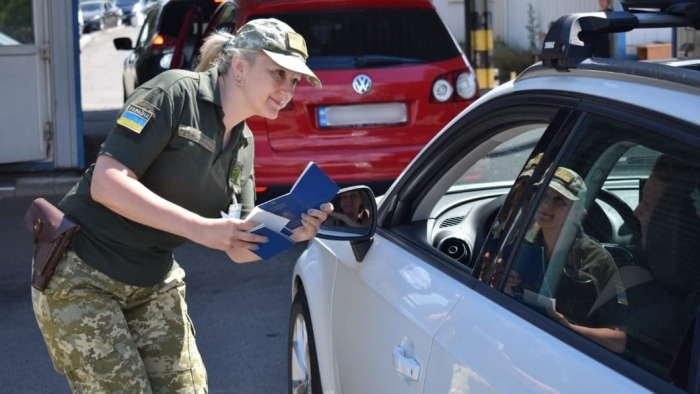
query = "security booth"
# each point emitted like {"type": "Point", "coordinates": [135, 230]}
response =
{"type": "Point", "coordinates": [40, 105]}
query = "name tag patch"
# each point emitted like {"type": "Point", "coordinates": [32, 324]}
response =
{"type": "Point", "coordinates": [197, 136]}
{"type": "Point", "coordinates": [135, 118]}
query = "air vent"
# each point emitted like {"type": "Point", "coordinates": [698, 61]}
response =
{"type": "Point", "coordinates": [449, 222]}
{"type": "Point", "coordinates": [456, 248]}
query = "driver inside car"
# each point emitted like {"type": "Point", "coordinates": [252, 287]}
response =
{"type": "Point", "coordinates": [557, 234]}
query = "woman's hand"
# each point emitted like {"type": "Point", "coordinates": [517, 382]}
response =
{"type": "Point", "coordinates": [311, 222]}
{"type": "Point", "coordinates": [226, 234]}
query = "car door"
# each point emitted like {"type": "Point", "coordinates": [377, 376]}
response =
{"type": "Point", "coordinates": [388, 307]}
{"type": "Point", "coordinates": [496, 341]}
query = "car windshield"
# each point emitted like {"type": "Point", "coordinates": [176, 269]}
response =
{"type": "Point", "coordinates": [88, 7]}
{"type": "Point", "coordinates": [370, 37]}
{"type": "Point", "coordinates": [126, 2]}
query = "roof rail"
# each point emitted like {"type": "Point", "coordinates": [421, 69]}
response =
{"type": "Point", "coordinates": [570, 40]}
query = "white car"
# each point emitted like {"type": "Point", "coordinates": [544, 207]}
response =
{"type": "Point", "coordinates": [582, 278]}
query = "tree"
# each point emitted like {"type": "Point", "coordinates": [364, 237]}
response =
{"type": "Point", "coordinates": [16, 20]}
{"type": "Point", "coordinates": [533, 30]}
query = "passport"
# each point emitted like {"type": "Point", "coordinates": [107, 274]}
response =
{"type": "Point", "coordinates": [280, 216]}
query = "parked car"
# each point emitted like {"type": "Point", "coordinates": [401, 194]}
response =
{"type": "Point", "coordinates": [81, 21]}
{"type": "Point", "coordinates": [99, 15]}
{"type": "Point", "coordinates": [393, 76]}
{"type": "Point", "coordinates": [133, 11]}
{"type": "Point", "coordinates": [153, 51]}
{"type": "Point", "coordinates": [429, 295]}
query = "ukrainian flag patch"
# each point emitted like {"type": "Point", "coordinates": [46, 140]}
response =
{"type": "Point", "coordinates": [135, 118]}
{"type": "Point", "coordinates": [622, 298]}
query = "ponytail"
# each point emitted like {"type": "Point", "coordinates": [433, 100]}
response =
{"type": "Point", "coordinates": [217, 51]}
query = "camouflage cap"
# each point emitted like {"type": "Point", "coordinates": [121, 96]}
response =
{"type": "Point", "coordinates": [280, 42]}
{"type": "Point", "coordinates": [568, 183]}
{"type": "Point", "coordinates": [530, 166]}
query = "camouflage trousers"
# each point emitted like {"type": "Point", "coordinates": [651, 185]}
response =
{"type": "Point", "coordinates": [109, 337]}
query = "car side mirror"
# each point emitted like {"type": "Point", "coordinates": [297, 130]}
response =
{"type": "Point", "coordinates": [123, 43]}
{"type": "Point", "coordinates": [354, 216]}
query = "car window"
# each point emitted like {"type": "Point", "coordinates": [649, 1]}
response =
{"type": "Point", "coordinates": [370, 37]}
{"type": "Point", "coordinates": [504, 162]}
{"type": "Point", "coordinates": [479, 179]}
{"type": "Point", "coordinates": [148, 28]}
{"type": "Point", "coordinates": [628, 282]}
{"type": "Point", "coordinates": [175, 12]}
{"type": "Point", "coordinates": [227, 19]}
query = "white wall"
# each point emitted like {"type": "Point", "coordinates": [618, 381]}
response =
{"type": "Point", "coordinates": [509, 20]}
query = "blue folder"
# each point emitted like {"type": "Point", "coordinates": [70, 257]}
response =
{"type": "Point", "coordinates": [312, 189]}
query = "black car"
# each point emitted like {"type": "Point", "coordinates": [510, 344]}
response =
{"type": "Point", "coordinates": [168, 24]}
{"type": "Point", "coordinates": [133, 10]}
{"type": "Point", "coordinates": [99, 15]}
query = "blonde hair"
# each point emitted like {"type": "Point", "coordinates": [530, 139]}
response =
{"type": "Point", "coordinates": [214, 53]}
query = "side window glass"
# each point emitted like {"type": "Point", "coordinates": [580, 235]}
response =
{"type": "Point", "coordinates": [493, 166]}
{"type": "Point", "coordinates": [227, 20]}
{"type": "Point", "coordinates": [147, 29]}
{"type": "Point", "coordinates": [612, 248]}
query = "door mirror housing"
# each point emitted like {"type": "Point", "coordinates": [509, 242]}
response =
{"type": "Point", "coordinates": [123, 43]}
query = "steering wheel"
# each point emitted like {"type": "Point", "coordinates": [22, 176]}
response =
{"type": "Point", "coordinates": [629, 227]}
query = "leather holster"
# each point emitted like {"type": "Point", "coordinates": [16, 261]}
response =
{"type": "Point", "coordinates": [52, 233]}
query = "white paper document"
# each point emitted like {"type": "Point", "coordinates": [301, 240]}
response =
{"type": "Point", "coordinates": [270, 220]}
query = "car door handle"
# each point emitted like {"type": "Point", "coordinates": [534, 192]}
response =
{"type": "Point", "coordinates": [406, 366]}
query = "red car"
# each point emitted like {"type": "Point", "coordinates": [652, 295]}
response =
{"type": "Point", "coordinates": [392, 76]}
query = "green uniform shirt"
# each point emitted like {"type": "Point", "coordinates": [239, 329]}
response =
{"type": "Point", "coordinates": [170, 134]}
{"type": "Point", "coordinates": [587, 258]}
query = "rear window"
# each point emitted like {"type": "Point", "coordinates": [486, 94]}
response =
{"type": "Point", "coordinates": [174, 14]}
{"type": "Point", "coordinates": [374, 37]}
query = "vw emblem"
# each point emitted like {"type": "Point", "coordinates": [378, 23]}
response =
{"type": "Point", "coordinates": [362, 84]}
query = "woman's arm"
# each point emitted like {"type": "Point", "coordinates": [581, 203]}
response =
{"type": "Point", "coordinates": [613, 339]}
{"type": "Point", "coordinates": [117, 188]}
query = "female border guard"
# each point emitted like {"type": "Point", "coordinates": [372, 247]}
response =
{"type": "Point", "coordinates": [114, 316]}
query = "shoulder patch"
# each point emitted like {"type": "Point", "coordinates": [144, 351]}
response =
{"type": "Point", "coordinates": [194, 135]}
{"type": "Point", "coordinates": [136, 116]}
